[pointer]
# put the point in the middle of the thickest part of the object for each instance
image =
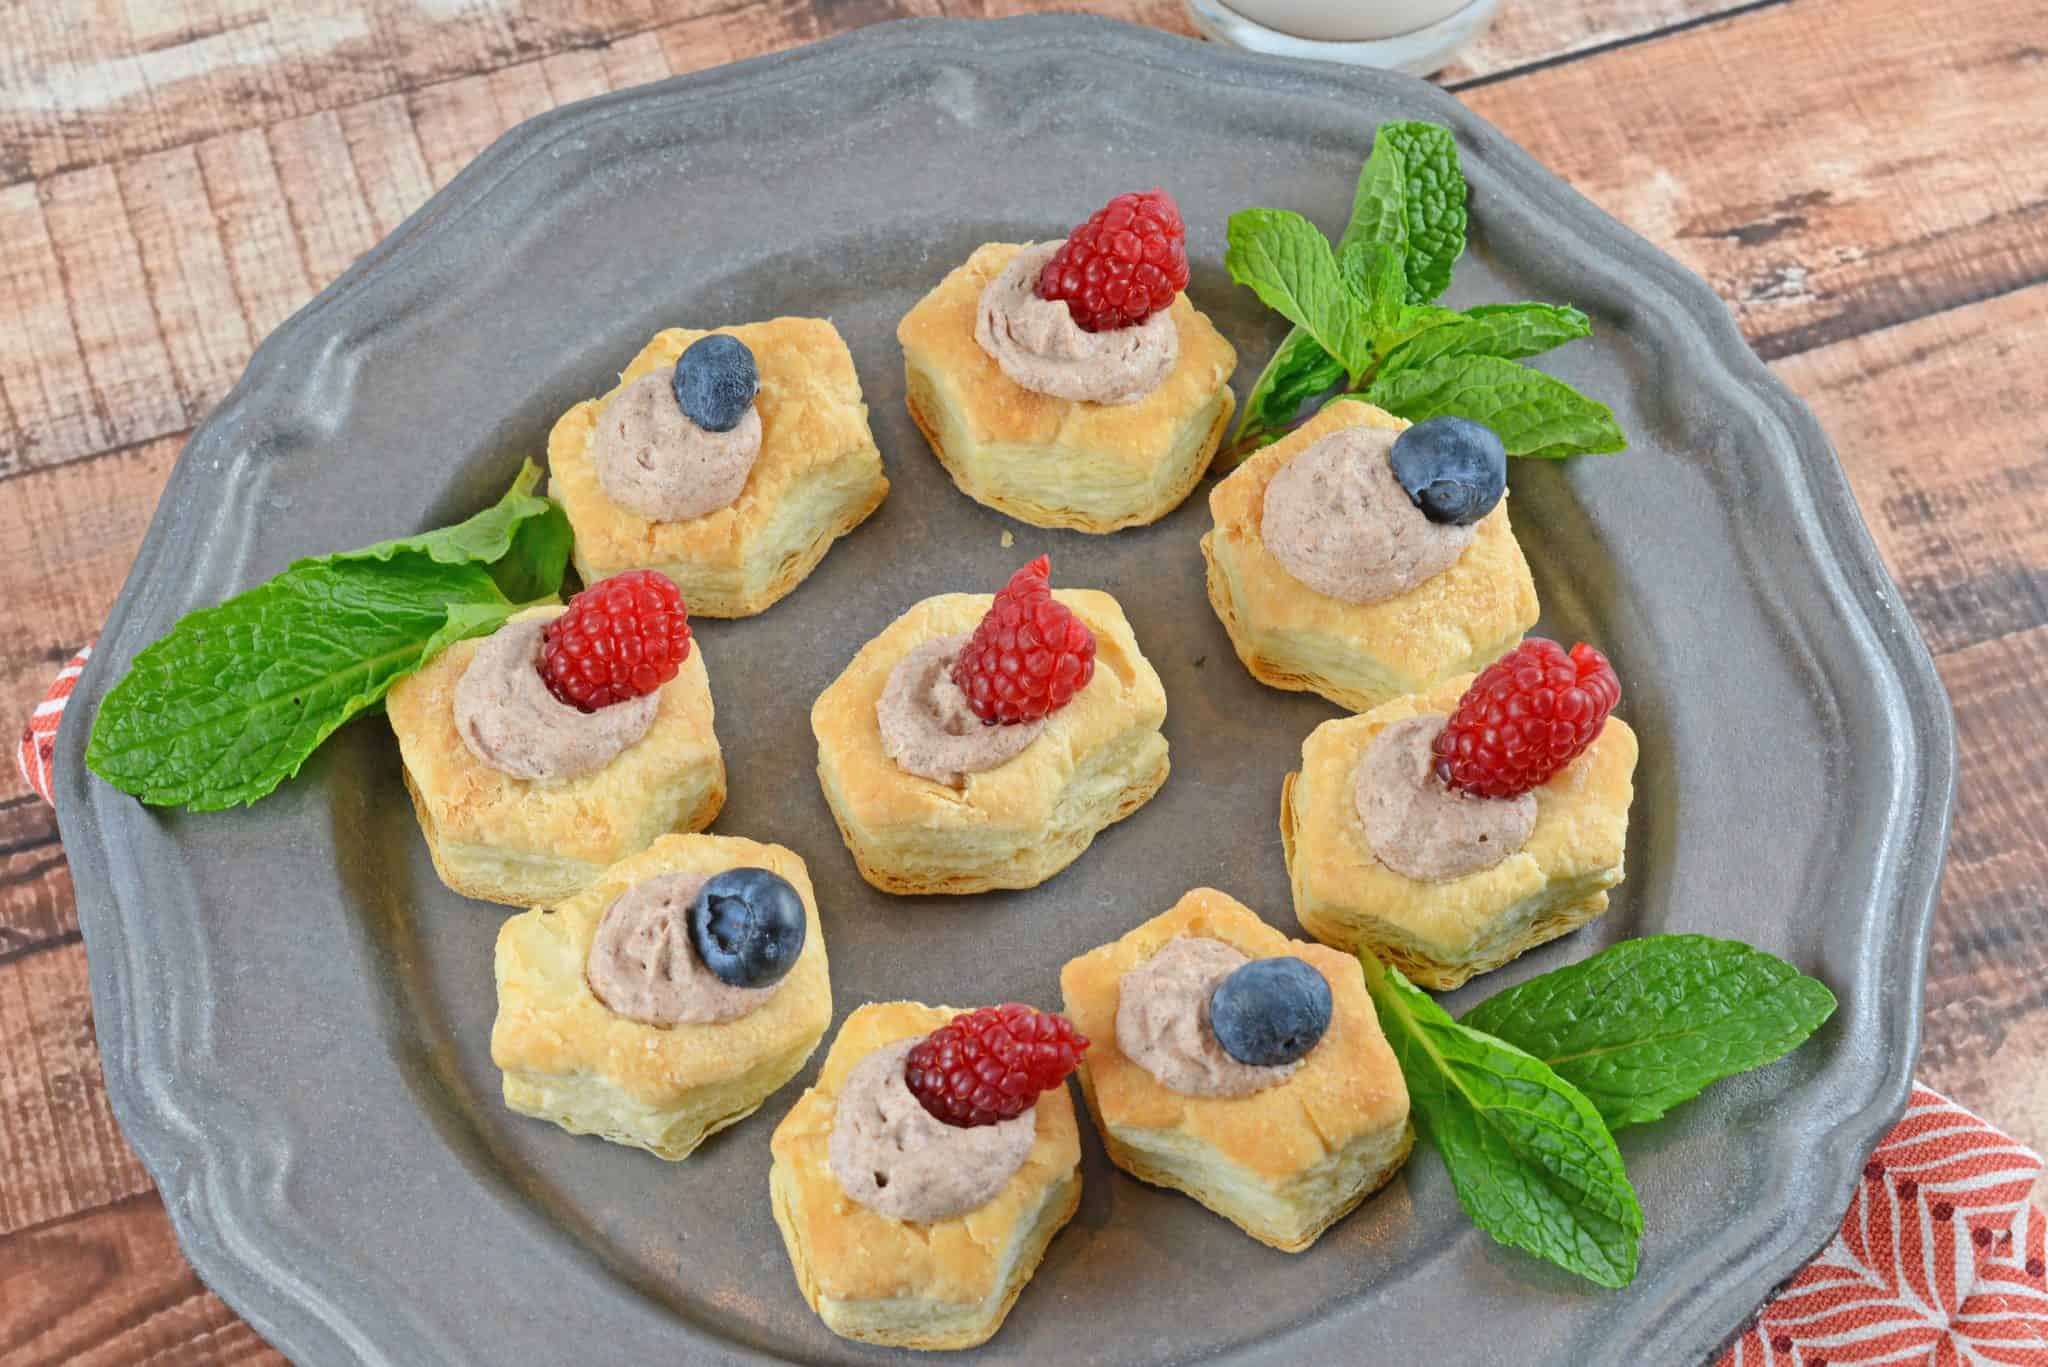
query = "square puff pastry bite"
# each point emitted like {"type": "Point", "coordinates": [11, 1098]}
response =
{"type": "Point", "coordinates": [523, 842]}
{"type": "Point", "coordinates": [1358, 655]}
{"type": "Point", "coordinates": [1057, 462]}
{"type": "Point", "coordinates": [1100, 758]}
{"type": "Point", "coordinates": [1441, 934]}
{"type": "Point", "coordinates": [568, 1058]}
{"type": "Point", "coordinates": [1283, 1164]}
{"type": "Point", "coordinates": [818, 476]}
{"type": "Point", "coordinates": [949, 1284]}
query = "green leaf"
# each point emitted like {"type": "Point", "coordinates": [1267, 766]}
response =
{"type": "Point", "coordinates": [1534, 413]}
{"type": "Point", "coordinates": [1373, 272]}
{"type": "Point", "coordinates": [1649, 1023]}
{"type": "Point", "coordinates": [1411, 195]}
{"type": "Point", "coordinates": [1300, 370]}
{"type": "Point", "coordinates": [1531, 1161]}
{"type": "Point", "coordinates": [233, 701]}
{"type": "Point", "coordinates": [1509, 331]}
{"type": "Point", "coordinates": [1282, 258]}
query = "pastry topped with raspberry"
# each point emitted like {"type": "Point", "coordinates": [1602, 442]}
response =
{"type": "Point", "coordinates": [975, 744]}
{"type": "Point", "coordinates": [1451, 831]}
{"type": "Point", "coordinates": [919, 1183]}
{"type": "Point", "coordinates": [563, 742]}
{"type": "Point", "coordinates": [1069, 383]}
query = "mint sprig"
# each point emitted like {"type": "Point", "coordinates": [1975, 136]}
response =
{"type": "Point", "coordinates": [1649, 1023]}
{"type": "Point", "coordinates": [1528, 1155]}
{"type": "Point", "coordinates": [233, 701]}
{"type": "Point", "coordinates": [1371, 318]}
{"type": "Point", "coordinates": [1522, 1096]}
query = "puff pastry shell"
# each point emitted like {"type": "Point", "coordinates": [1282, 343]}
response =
{"type": "Point", "coordinates": [1357, 655]}
{"type": "Point", "coordinates": [948, 1284]}
{"type": "Point", "coordinates": [568, 1058]}
{"type": "Point", "coordinates": [1099, 759]}
{"type": "Point", "coordinates": [818, 477]}
{"type": "Point", "coordinates": [1057, 462]}
{"type": "Point", "coordinates": [522, 842]}
{"type": "Point", "coordinates": [1441, 934]}
{"type": "Point", "coordinates": [1283, 1164]}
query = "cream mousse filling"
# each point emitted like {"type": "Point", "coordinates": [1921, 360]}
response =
{"type": "Point", "coordinates": [895, 1157]}
{"type": "Point", "coordinates": [927, 727]}
{"type": "Point", "coordinates": [653, 461]}
{"type": "Point", "coordinates": [1041, 348]}
{"type": "Point", "coordinates": [1337, 519]}
{"type": "Point", "coordinates": [1422, 829]}
{"type": "Point", "coordinates": [1162, 1021]}
{"type": "Point", "coordinates": [644, 966]}
{"type": "Point", "coordinates": [508, 719]}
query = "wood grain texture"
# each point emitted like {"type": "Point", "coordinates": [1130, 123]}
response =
{"type": "Point", "coordinates": [1829, 168]}
{"type": "Point", "coordinates": [64, 1153]}
{"type": "Point", "coordinates": [110, 1287]}
{"type": "Point", "coordinates": [177, 176]}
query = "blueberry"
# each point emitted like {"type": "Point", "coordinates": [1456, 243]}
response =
{"type": "Point", "coordinates": [1455, 469]}
{"type": "Point", "coordinates": [748, 927]}
{"type": "Point", "coordinates": [1270, 1012]}
{"type": "Point", "coordinates": [716, 381]}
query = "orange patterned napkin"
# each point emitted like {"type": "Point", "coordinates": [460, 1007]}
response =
{"type": "Point", "coordinates": [1939, 1261]}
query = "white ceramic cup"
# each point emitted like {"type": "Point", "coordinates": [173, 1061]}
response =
{"type": "Point", "coordinates": [1346, 21]}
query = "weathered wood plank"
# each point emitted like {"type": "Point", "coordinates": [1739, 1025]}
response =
{"type": "Point", "coordinates": [111, 1287]}
{"type": "Point", "coordinates": [36, 903]}
{"type": "Point", "coordinates": [1942, 425]}
{"type": "Point", "coordinates": [43, 375]}
{"type": "Point", "coordinates": [64, 1153]}
{"type": "Point", "coordinates": [1524, 35]}
{"type": "Point", "coordinates": [265, 258]}
{"type": "Point", "coordinates": [67, 537]}
{"type": "Point", "coordinates": [1987, 980]}
{"type": "Point", "coordinates": [1834, 198]}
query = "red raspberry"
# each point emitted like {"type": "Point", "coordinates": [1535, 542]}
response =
{"type": "Point", "coordinates": [1029, 656]}
{"type": "Point", "coordinates": [1121, 266]}
{"type": "Point", "coordinates": [1527, 715]}
{"type": "Point", "coordinates": [990, 1065]}
{"type": "Point", "coordinates": [621, 638]}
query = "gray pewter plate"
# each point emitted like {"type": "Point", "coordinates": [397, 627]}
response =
{"type": "Point", "coordinates": [294, 1014]}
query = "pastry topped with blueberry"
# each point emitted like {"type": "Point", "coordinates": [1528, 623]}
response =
{"type": "Point", "coordinates": [1071, 383]}
{"type": "Point", "coordinates": [728, 460]}
{"type": "Point", "coordinates": [983, 742]}
{"type": "Point", "coordinates": [1363, 558]}
{"type": "Point", "coordinates": [667, 1000]}
{"type": "Point", "coordinates": [1450, 831]}
{"type": "Point", "coordinates": [1240, 1067]}
{"type": "Point", "coordinates": [563, 742]}
{"type": "Point", "coordinates": [918, 1184]}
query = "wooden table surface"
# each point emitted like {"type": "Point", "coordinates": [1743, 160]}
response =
{"type": "Point", "coordinates": [1865, 182]}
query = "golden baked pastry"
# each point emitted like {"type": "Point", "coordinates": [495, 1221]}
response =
{"type": "Point", "coordinates": [569, 1058]}
{"type": "Point", "coordinates": [523, 842]}
{"type": "Point", "coordinates": [818, 477]}
{"type": "Point", "coordinates": [1100, 758]}
{"type": "Point", "coordinates": [948, 1284]}
{"type": "Point", "coordinates": [1283, 1164]}
{"type": "Point", "coordinates": [1441, 934]}
{"type": "Point", "coordinates": [1057, 462]}
{"type": "Point", "coordinates": [1358, 655]}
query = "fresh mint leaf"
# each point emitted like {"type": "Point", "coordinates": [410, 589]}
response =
{"type": "Point", "coordinates": [1300, 370]}
{"type": "Point", "coordinates": [1509, 331]}
{"type": "Point", "coordinates": [1531, 1161]}
{"type": "Point", "coordinates": [1649, 1023]}
{"type": "Point", "coordinates": [1433, 201]}
{"type": "Point", "coordinates": [1287, 262]}
{"type": "Point", "coordinates": [1411, 195]}
{"type": "Point", "coordinates": [236, 697]}
{"type": "Point", "coordinates": [1535, 414]}
{"type": "Point", "coordinates": [1374, 273]}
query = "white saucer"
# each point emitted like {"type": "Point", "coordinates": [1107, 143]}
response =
{"type": "Point", "coordinates": [1419, 53]}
